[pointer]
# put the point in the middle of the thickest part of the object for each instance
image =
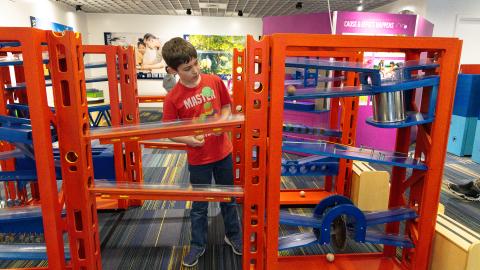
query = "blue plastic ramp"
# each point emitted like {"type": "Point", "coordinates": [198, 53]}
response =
{"type": "Point", "coordinates": [36, 252]}
{"type": "Point", "coordinates": [393, 215]}
{"type": "Point", "coordinates": [296, 240]}
{"type": "Point", "coordinates": [287, 218]}
{"type": "Point", "coordinates": [377, 237]}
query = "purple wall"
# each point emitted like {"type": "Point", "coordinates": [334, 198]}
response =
{"type": "Point", "coordinates": [424, 28]}
{"type": "Point", "coordinates": [378, 138]}
{"type": "Point", "coordinates": [315, 23]}
{"type": "Point", "coordinates": [363, 23]}
{"type": "Point", "coordinates": [373, 23]}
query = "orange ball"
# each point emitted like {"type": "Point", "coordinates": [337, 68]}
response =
{"type": "Point", "coordinates": [291, 89]}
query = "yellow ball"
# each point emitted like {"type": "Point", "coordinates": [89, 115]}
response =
{"type": "Point", "coordinates": [302, 194]}
{"type": "Point", "coordinates": [200, 137]}
{"type": "Point", "coordinates": [330, 257]}
{"type": "Point", "coordinates": [291, 89]}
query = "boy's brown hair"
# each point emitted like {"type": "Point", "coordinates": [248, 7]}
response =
{"type": "Point", "coordinates": [178, 51]}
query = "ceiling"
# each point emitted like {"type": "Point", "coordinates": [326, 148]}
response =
{"type": "Point", "coordinates": [222, 8]}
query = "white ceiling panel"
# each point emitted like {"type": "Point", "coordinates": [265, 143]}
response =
{"type": "Point", "coordinates": [222, 8]}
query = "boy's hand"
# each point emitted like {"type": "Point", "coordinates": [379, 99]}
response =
{"type": "Point", "coordinates": [197, 141]}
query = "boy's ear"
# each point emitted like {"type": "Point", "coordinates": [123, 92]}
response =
{"type": "Point", "coordinates": [170, 70]}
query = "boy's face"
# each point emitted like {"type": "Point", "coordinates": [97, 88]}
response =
{"type": "Point", "coordinates": [189, 73]}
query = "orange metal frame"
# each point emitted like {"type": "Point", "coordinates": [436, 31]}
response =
{"type": "Point", "coordinates": [41, 117]}
{"type": "Point", "coordinates": [152, 194]}
{"type": "Point", "coordinates": [150, 99]}
{"type": "Point", "coordinates": [348, 108]}
{"type": "Point", "coordinates": [422, 196]}
{"type": "Point", "coordinates": [12, 191]}
{"type": "Point", "coordinates": [262, 76]}
{"type": "Point", "coordinates": [238, 106]}
{"type": "Point", "coordinates": [71, 122]}
{"type": "Point", "coordinates": [470, 69]}
{"type": "Point", "coordinates": [111, 55]}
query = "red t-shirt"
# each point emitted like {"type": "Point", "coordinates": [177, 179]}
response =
{"type": "Point", "coordinates": [204, 100]}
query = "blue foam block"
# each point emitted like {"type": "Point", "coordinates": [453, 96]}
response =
{"type": "Point", "coordinates": [467, 95]}
{"type": "Point", "coordinates": [462, 135]}
{"type": "Point", "coordinates": [476, 144]}
{"type": "Point", "coordinates": [103, 164]}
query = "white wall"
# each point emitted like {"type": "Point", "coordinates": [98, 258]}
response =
{"type": "Point", "coordinates": [169, 26]}
{"type": "Point", "coordinates": [443, 13]}
{"type": "Point", "coordinates": [18, 12]}
{"type": "Point", "coordinates": [417, 6]}
{"type": "Point", "coordinates": [165, 27]}
{"type": "Point", "coordinates": [451, 18]}
{"type": "Point", "coordinates": [460, 18]}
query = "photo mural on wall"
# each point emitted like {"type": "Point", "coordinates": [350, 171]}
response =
{"type": "Point", "coordinates": [148, 51]}
{"type": "Point", "coordinates": [215, 52]}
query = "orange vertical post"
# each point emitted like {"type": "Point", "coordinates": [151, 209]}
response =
{"type": "Point", "coordinates": [116, 115]}
{"type": "Point", "coordinates": [425, 187]}
{"type": "Point", "coordinates": [130, 114]}
{"type": "Point", "coordinates": [40, 116]}
{"type": "Point", "coordinates": [68, 78]}
{"type": "Point", "coordinates": [275, 126]}
{"type": "Point", "coordinates": [256, 145]}
{"type": "Point", "coordinates": [238, 107]}
{"type": "Point", "coordinates": [436, 154]}
{"type": "Point", "coordinates": [111, 56]}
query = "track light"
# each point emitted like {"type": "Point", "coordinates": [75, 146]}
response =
{"type": "Point", "coordinates": [299, 5]}
{"type": "Point", "coordinates": [189, 11]}
{"type": "Point", "coordinates": [240, 13]}
{"type": "Point", "coordinates": [78, 7]}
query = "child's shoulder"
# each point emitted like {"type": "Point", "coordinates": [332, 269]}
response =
{"type": "Point", "coordinates": [173, 93]}
{"type": "Point", "coordinates": [212, 78]}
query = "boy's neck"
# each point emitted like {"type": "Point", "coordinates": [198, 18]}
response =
{"type": "Point", "coordinates": [191, 85]}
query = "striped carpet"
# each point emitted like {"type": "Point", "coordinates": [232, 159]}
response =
{"type": "Point", "coordinates": [457, 170]}
{"type": "Point", "coordinates": [156, 235]}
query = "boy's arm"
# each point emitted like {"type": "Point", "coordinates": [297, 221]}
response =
{"type": "Point", "coordinates": [226, 111]}
{"type": "Point", "coordinates": [193, 141]}
{"type": "Point", "coordinates": [198, 140]}
{"type": "Point", "coordinates": [170, 114]}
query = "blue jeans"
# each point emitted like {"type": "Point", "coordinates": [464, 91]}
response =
{"type": "Point", "coordinates": [222, 172]}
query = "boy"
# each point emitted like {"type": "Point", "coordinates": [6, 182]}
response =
{"type": "Point", "coordinates": [197, 96]}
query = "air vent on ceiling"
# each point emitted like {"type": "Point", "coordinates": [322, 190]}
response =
{"type": "Point", "coordinates": [213, 5]}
